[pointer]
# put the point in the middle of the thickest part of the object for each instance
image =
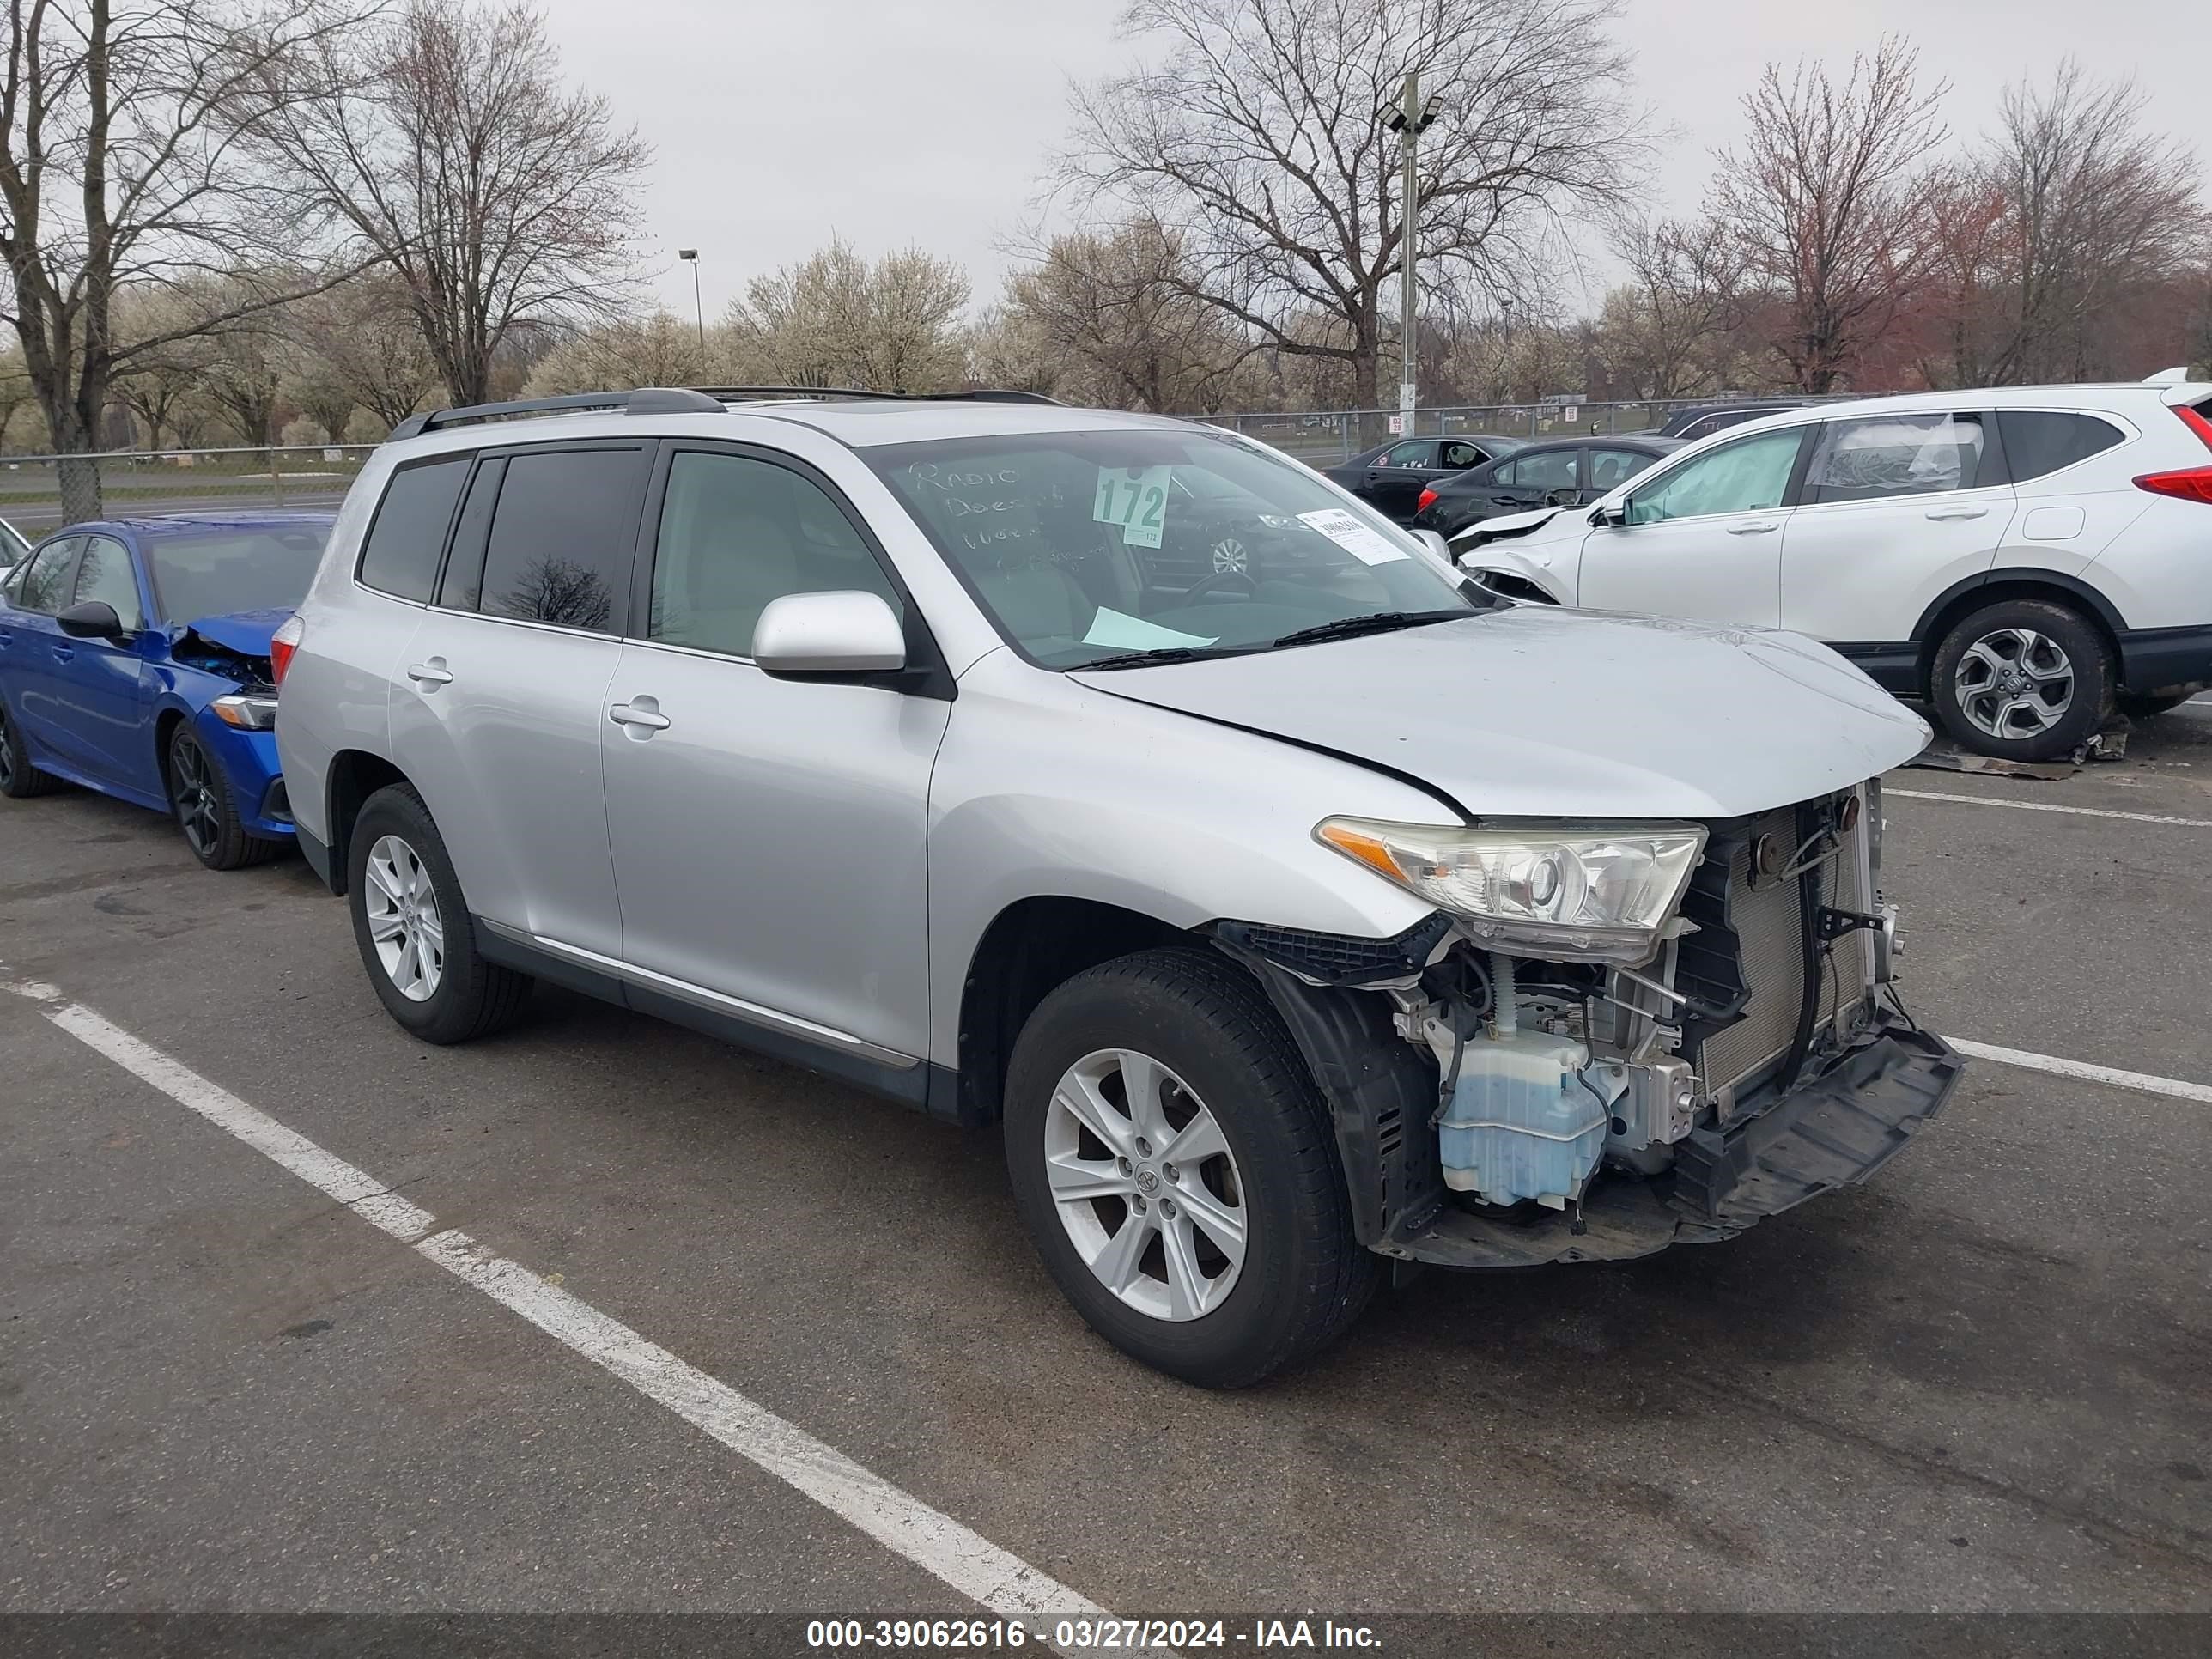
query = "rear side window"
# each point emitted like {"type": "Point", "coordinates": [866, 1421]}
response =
{"type": "Point", "coordinates": [1421, 453]}
{"type": "Point", "coordinates": [2039, 440]}
{"type": "Point", "coordinates": [562, 537]}
{"type": "Point", "coordinates": [401, 555]}
{"type": "Point", "coordinates": [1555, 470]}
{"type": "Point", "coordinates": [1894, 455]}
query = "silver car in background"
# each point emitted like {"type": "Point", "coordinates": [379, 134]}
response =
{"type": "Point", "coordinates": [1294, 919]}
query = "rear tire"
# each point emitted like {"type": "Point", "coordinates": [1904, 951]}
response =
{"type": "Point", "coordinates": [19, 779]}
{"type": "Point", "coordinates": [1297, 1278]}
{"type": "Point", "coordinates": [201, 802]}
{"type": "Point", "coordinates": [412, 923]}
{"type": "Point", "coordinates": [2022, 680]}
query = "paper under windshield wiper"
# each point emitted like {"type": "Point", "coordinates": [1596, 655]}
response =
{"type": "Point", "coordinates": [1378, 622]}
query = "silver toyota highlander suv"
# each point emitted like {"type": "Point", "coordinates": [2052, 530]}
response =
{"type": "Point", "coordinates": [1296, 919]}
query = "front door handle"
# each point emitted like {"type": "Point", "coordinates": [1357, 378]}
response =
{"type": "Point", "coordinates": [1940, 514]}
{"type": "Point", "coordinates": [430, 674]}
{"type": "Point", "coordinates": [62, 654]}
{"type": "Point", "coordinates": [1759, 528]}
{"type": "Point", "coordinates": [629, 714]}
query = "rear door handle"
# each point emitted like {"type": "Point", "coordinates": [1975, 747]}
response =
{"type": "Point", "coordinates": [1942, 512]}
{"type": "Point", "coordinates": [432, 672]}
{"type": "Point", "coordinates": [625, 713]}
{"type": "Point", "coordinates": [1758, 529]}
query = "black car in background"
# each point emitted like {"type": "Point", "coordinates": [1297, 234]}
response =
{"type": "Point", "coordinates": [1691, 423]}
{"type": "Point", "coordinates": [1566, 473]}
{"type": "Point", "coordinates": [1391, 476]}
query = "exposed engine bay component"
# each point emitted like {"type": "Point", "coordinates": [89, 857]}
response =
{"type": "Point", "coordinates": [1334, 959]}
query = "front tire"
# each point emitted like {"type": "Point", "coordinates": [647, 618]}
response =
{"type": "Point", "coordinates": [2022, 680]}
{"type": "Point", "coordinates": [19, 779]}
{"type": "Point", "coordinates": [1177, 1167]}
{"type": "Point", "coordinates": [417, 938]}
{"type": "Point", "coordinates": [201, 801]}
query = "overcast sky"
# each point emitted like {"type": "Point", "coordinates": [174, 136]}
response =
{"type": "Point", "coordinates": [926, 121]}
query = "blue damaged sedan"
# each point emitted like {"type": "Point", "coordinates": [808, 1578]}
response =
{"type": "Point", "coordinates": [134, 660]}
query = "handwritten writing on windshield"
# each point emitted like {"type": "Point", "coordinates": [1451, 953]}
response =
{"type": "Point", "coordinates": [982, 506]}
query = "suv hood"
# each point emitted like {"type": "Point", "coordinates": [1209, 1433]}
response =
{"type": "Point", "coordinates": [1531, 711]}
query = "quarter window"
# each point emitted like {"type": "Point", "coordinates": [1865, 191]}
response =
{"type": "Point", "coordinates": [2037, 441]}
{"type": "Point", "coordinates": [45, 583]}
{"type": "Point", "coordinates": [737, 532]}
{"type": "Point", "coordinates": [1555, 470]}
{"type": "Point", "coordinates": [1892, 455]}
{"type": "Point", "coordinates": [104, 574]}
{"type": "Point", "coordinates": [404, 543]}
{"type": "Point", "coordinates": [562, 537]}
{"type": "Point", "coordinates": [1749, 475]}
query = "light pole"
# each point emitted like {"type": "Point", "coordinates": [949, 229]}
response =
{"type": "Point", "coordinates": [1409, 120]}
{"type": "Point", "coordinates": [690, 257]}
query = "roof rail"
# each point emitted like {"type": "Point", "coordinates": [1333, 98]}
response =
{"type": "Point", "coordinates": [831, 394]}
{"type": "Point", "coordinates": [647, 400]}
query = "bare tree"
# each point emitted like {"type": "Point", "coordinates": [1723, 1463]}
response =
{"type": "Point", "coordinates": [360, 343]}
{"type": "Point", "coordinates": [449, 149]}
{"type": "Point", "coordinates": [1257, 136]}
{"type": "Point", "coordinates": [125, 138]}
{"type": "Point", "coordinates": [837, 319]}
{"type": "Point", "coordinates": [661, 350]}
{"type": "Point", "coordinates": [1829, 199]}
{"type": "Point", "coordinates": [1670, 329]}
{"type": "Point", "coordinates": [1114, 308]}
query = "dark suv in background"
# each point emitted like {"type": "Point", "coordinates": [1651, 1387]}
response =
{"type": "Point", "coordinates": [1567, 473]}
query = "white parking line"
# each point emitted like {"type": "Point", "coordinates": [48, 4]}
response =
{"type": "Point", "coordinates": [2046, 806]}
{"type": "Point", "coordinates": [902, 1523]}
{"type": "Point", "coordinates": [2082, 1068]}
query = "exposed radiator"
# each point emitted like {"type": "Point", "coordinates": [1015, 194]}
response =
{"type": "Point", "coordinates": [1770, 937]}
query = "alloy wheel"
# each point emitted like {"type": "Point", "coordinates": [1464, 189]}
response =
{"type": "Point", "coordinates": [404, 922]}
{"type": "Point", "coordinates": [1144, 1184]}
{"type": "Point", "coordinates": [2014, 684]}
{"type": "Point", "coordinates": [6, 753]}
{"type": "Point", "coordinates": [192, 788]}
{"type": "Point", "coordinates": [1232, 555]}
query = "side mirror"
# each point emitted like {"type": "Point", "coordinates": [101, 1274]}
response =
{"type": "Point", "coordinates": [1615, 515]}
{"type": "Point", "coordinates": [95, 619]}
{"type": "Point", "coordinates": [1434, 541]}
{"type": "Point", "coordinates": [844, 633]}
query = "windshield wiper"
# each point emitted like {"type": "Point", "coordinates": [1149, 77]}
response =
{"type": "Point", "coordinates": [1378, 622]}
{"type": "Point", "coordinates": [1157, 654]}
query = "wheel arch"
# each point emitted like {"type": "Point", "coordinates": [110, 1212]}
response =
{"type": "Point", "coordinates": [1033, 946]}
{"type": "Point", "coordinates": [1995, 587]}
{"type": "Point", "coordinates": [353, 775]}
{"type": "Point", "coordinates": [168, 717]}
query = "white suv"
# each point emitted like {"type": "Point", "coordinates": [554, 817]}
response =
{"type": "Point", "coordinates": [2025, 558]}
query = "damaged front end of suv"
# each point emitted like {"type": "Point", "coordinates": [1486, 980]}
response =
{"type": "Point", "coordinates": [1608, 1038]}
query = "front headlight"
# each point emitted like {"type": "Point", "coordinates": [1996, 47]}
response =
{"type": "Point", "coordinates": [247, 710]}
{"type": "Point", "coordinates": [1585, 894]}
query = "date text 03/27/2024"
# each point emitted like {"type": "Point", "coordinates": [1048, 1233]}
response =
{"type": "Point", "coordinates": [1072, 1635]}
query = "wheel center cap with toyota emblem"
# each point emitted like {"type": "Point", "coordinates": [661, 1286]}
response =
{"type": "Point", "coordinates": [1148, 1179]}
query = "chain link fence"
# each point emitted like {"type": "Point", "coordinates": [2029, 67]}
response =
{"type": "Point", "coordinates": [40, 493]}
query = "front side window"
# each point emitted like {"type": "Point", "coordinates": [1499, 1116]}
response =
{"type": "Point", "coordinates": [234, 570]}
{"type": "Point", "coordinates": [562, 537]}
{"type": "Point", "coordinates": [737, 532]}
{"type": "Point", "coordinates": [1460, 455]}
{"type": "Point", "coordinates": [400, 556]}
{"type": "Point", "coordinates": [1059, 535]}
{"type": "Point", "coordinates": [1894, 455]}
{"type": "Point", "coordinates": [2039, 440]}
{"type": "Point", "coordinates": [1751, 475]}
{"type": "Point", "coordinates": [104, 576]}
{"type": "Point", "coordinates": [1553, 471]}
{"type": "Point", "coordinates": [44, 585]}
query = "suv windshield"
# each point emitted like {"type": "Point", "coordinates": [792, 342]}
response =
{"type": "Point", "coordinates": [214, 575]}
{"type": "Point", "coordinates": [1084, 546]}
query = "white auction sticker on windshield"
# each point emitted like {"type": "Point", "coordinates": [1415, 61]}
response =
{"type": "Point", "coordinates": [1353, 537]}
{"type": "Point", "coordinates": [1135, 499]}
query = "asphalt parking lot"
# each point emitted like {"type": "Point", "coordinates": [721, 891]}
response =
{"type": "Point", "coordinates": [1979, 1384]}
